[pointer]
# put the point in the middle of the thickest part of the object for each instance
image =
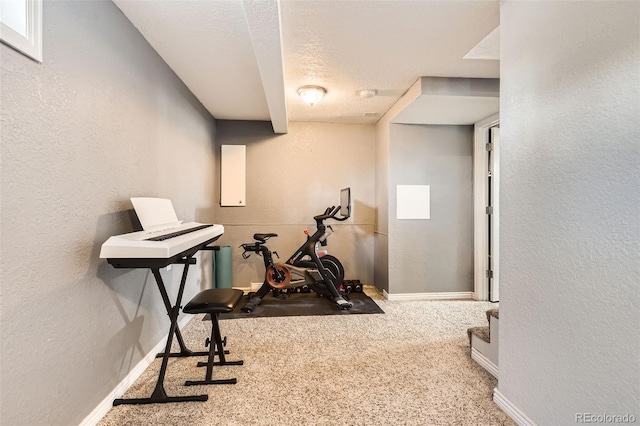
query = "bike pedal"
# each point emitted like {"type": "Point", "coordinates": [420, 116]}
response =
{"type": "Point", "coordinates": [343, 304]}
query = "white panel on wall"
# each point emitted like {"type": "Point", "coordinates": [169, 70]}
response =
{"type": "Point", "coordinates": [233, 175]}
{"type": "Point", "coordinates": [413, 202]}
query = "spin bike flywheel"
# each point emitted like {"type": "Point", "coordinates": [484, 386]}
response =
{"type": "Point", "coordinates": [335, 269]}
{"type": "Point", "coordinates": [278, 276]}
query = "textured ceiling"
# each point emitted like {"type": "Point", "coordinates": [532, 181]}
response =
{"type": "Point", "coordinates": [245, 59]}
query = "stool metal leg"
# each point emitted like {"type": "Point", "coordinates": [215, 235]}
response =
{"type": "Point", "coordinates": [215, 342]}
{"type": "Point", "coordinates": [216, 337]}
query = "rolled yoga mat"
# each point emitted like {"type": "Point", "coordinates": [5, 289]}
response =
{"type": "Point", "coordinates": [222, 265]}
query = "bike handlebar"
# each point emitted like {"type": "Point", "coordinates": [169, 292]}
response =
{"type": "Point", "coordinates": [329, 213]}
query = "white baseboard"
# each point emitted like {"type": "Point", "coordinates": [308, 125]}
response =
{"type": "Point", "coordinates": [107, 403]}
{"type": "Point", "coordinates": [484, 362]}
{"type": "Point", "coordinates": [453, 295]}
{"type": "Point", "coordinates": [512, 411]}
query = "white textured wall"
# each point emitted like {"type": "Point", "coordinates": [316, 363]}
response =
{"type": "Point", "coordinates": [100, 120]}
{"type": "Point", "coordinates": [570, 235]}
{"type": "Point", "coordinates": [293, 177]}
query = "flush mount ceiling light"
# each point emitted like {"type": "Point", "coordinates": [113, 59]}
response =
{"type": "Point", "coordinates": [311, 95]}
{"type": "Point", "coordinates": [367, 93]}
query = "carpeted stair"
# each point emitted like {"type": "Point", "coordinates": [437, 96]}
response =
{"type": "Point", "coordinates": [484, 342]}
{"type": "Point", "coordinates": [483, 333]}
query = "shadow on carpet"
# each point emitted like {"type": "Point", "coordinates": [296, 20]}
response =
{"type": "Point", "coordinates": [304, 304]}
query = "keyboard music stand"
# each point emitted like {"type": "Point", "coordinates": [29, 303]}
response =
{"type": "Point", "coordinates": [185, 258]}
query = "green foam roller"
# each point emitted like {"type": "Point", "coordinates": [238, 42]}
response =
{"type": "Point", "coordinates": [222, 265]}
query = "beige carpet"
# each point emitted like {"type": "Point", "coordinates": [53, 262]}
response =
{"type": "Point", "coordinates": [409, 366]}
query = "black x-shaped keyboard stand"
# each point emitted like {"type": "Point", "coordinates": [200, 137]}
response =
{"type": "Point", "coordinates": [155, 264]}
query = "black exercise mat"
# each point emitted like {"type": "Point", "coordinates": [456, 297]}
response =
{"type": "Point", "coordinates": [303, 304]}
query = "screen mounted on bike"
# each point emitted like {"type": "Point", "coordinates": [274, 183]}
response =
{"type": "Point", "coordinates": [345, 202]}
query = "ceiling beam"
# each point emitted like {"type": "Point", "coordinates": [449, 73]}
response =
{"type": "Point", "coordinates": [263, 20]}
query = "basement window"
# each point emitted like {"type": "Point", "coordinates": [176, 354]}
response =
{"type": "Point", "coordinates": [21, 26]}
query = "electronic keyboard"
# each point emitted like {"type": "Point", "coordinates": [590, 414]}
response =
{"type": "Point", "coordinates": [160, 244]}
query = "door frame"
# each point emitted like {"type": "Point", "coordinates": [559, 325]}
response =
{"type": "Point", "coordinates": [480, 237]}
{"type": "Point", "coordinates": [494, 285]}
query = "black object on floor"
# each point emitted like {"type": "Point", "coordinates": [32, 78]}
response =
{"type": "Point", "coordinates": [214, 302]}
{"type": "Point", "coordinates": [304, 304]}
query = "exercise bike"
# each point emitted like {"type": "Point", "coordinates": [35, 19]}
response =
{"type": "Point", "coordinates": [308, 266]}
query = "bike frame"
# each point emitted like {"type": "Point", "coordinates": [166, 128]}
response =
{"type": "Point", "coordinates": [308, 272]}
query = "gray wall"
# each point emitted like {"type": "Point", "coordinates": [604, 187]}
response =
{"type": "Point", "coordinates": [570, 237]}
{"type": "Point", "coordinates": [100, 120]}
{"type": "Point", "coordinates": [435, 255]}
{"type": "Point", "coordinates": [381, 236]}
{"type": "Point", "coordinates": [293, 177]}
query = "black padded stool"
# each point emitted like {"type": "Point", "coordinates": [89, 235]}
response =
{"type": "Point", "coordinates": [214, 302]}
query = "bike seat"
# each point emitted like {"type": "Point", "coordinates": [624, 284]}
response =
{"type": "Point", "coordinates": [263, 237]}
